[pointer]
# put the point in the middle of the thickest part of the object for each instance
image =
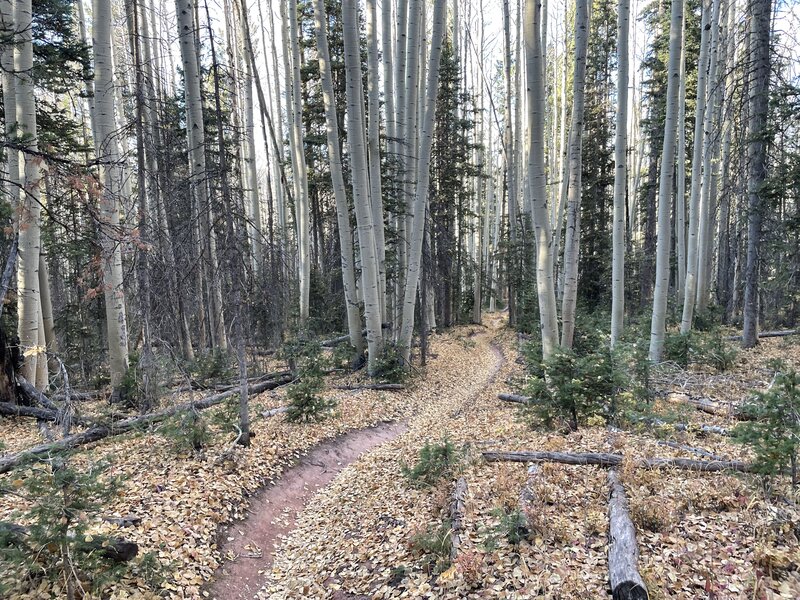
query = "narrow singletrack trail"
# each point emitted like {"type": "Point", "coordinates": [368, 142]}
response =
{"type": "Point", "coordinates": [330, 504]}
{"type": "Point", "coordinates": [354, 518]}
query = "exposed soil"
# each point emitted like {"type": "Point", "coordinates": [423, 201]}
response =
{"type": "Point", "coordinates": [248, 546]}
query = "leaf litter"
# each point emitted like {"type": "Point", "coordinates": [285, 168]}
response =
{"type": "Point", "coordinates": [700, 535]}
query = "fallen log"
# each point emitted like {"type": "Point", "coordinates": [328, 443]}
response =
{"type": "Point", "coordinates": [126, 521]}
{"type": "Point", "coordinates": [43, 414]}
{"type": "Point", "coordinates": [99, 432]}
{"type": "Point", "coordinates": [708, 406]}
{"type": "Point", "coordinates": [516, 398]}
{"type": "Point", "coordinates": [457, 510]}
{"type": "Point", "coordinates": [623, 553]}
{"type": "Point", "coordinates": [692, 449]}
{"type": "Point", "coordinates": [372, 386]}
{"type": "Point", "coordinates": [114, 549]}
{"type": "Point", "coordinates": [690, 427]}
{"type": "Point", "coordinates": [275, 411]}
{"type": "Point", "coordinates": [765, 334]}
{"type": "Point", "coordinates": [605, 459]}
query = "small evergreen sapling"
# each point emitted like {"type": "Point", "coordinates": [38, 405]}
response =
{"type": "Point", "coordinates": [59, 503]}
{"type": "Point", "coordinates": [774, 433]}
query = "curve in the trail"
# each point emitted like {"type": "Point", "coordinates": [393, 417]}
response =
{"type": "Point", "coordinates": [249, 546]}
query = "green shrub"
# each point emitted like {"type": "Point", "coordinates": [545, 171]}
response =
{"type": "Point", "coordinates": [700, 348]}
{"type": "Point", "coordinates": [433, 543]}
{"type": "Point", "coordinates": [569, 389]}
{"type": "Point", "coordinates": [390, 367]}
{"type": "Point", "coordinates": [512, 527]}
{"type": "Point", "coordinates": [60, 503]}
{"type": "Point", "coordinates": [435, 462]}
{"type": "Point", "coordinates": [678, 348]}
{"type": "Point", "coordinates": [774, 433]}
{"type": "Point", "coordinates": [188, 431]}
{"type": "Point", "coordinates": [212, 367]}
{"type": "Point", "coordinates": [306, 402]}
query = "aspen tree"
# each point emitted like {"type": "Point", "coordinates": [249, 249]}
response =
{"type": "Point", "coordinates": [536, 175]}
{"type": "Point", "coordinates": [573, 233]}
{"type": "Point", "coordinates": [195, 136]}
{"type": "Point", "coordinates": [690, 290]}
{"type": "Point", "coordinates": [708, 180]}
{"type": "Point", "coordinates": [421, 196]}
{"type": "Point", "coordinates": [299, 168]}
{"type": "Point", "coordinates": [373, 143]}
{"type": "Point", "coordinates": [680, 177]}
{"type": "Point", "coordinates": [620, 174]}
{"type": "Point", "coordinates": [657, 324]}
{"type": "Point", "coordinates": [111, 178]}
{"type": "Point", "coordinates": [337, 180]}
{"type": "Point", "coordinates": [370, 276]}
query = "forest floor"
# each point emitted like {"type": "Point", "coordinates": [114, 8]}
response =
{"type": "Point", "coordinates": [345, 530]}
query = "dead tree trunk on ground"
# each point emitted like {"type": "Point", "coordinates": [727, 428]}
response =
{"type": "Point", "coordinates": [623, 554]}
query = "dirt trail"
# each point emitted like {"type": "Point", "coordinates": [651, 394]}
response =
{"type": "Point", "coordinates": [273, 512]}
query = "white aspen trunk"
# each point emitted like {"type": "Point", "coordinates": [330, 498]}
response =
{"type": "Point", "coordinates": [487, 213]}
{"type": "Point", "coordinates": [541, 220]}
{"type": "Point", "coordinates": [299, 168]}
{"type": "Point", "coordinates": [620, 174]}
{"type": "Point", "coordinates": [195, 135]}
{"type": "Point", "coordinates": [690, 291]}
{"type": "Point", "coordinates": [387, 56]}
{"type": "Point", "coordinates": [657, 324]}
{"type": "Point", "coordinates": [513, 201]}
{"type": "Point", "coordinates": [411, 150]}
{"type": "Point", "coordinates": [563, 170]}
{"type": "Point", "coordinates": [573, 234]}
{"type": "Point", "coordinates": [48, 322]}
{"type": "Point", "coordinates": [9, 79]}
{"type": "Point", "coordinates": [375, 186]}
{"type": "Point", "coordinates": [370, 275]}
{"type": "Point", "coordinates": [112, 181]}
{"type": "Point", "coordinates": [709, 144]}
{"type": "Point", "coordinates": [31, 178]}
{"type": "Point", "coordinates": [252, 196]}
{"type": "Point", "coordinates": [680, 178]}
{"type": "Point", "coordinates": [337, 180]}
{"type": "Point", "coordinates": [280, 197]}
{"type": "Point", "coordinates": [495, 263]}
{"type": "Point", "coordinates": [400, 65]}
{"type": "Point", "coordinates": [421, 196]}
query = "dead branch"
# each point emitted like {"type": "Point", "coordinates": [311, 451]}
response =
{"type": "Point", "coordinates": [605, 459]}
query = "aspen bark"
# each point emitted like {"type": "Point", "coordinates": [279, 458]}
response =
{"type": "Point", "coordinates": [421, 196]}
{"type": "Point", "coordinates": [370, 275]}
{"type": "Point", "coordinates": [620, 174]}
{"type": "Point", "coordinates": [299, 168]}
{"type": "Point", "coordinates": [337, 180]}
{"type": "Point", "coordinates": [690, 290]}
{"type": "Point", "coordinates": [708, 180]}
{"type": "Point", "coordinates": [111, 177]}
{"type": "Point", "coordinates": [573, 234]}
{"type": "Point", "coordinates": [657, 323]}
{"type": "Point", "coordinates": [541, 220]}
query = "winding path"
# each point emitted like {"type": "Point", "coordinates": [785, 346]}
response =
{"type": "Point", "coordinates": [320, 495]}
